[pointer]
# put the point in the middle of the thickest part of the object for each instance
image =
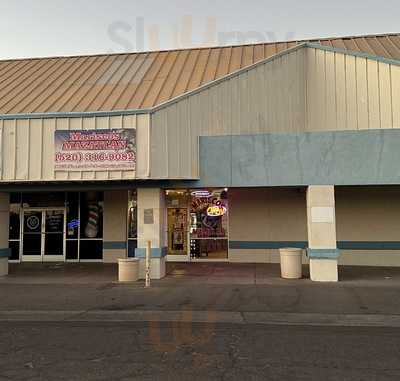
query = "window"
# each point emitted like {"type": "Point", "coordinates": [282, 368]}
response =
{"type": "Point", "coordinates": [15, 225]}
{"type": "Point", "coordinates": [132, 222]}
{"type": "Point", "coordinates": [72, 206]}
{"type": "Point", "coordinates": [73, 226]}
{"type": "Point", "coordinates": [91, 226]}
{"type": "Point", "coordinates": [209, 224]}
{"type": "Point", "coordinates": [91, 219]}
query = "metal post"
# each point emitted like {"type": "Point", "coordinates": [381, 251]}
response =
{"type": "Point", "coordinates": [148, 261]}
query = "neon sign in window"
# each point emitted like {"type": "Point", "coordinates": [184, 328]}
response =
{"type": "Point", "coordinates": [216, 210]}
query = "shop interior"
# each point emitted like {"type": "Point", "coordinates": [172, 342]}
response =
{"type": "Point", "coordinates": [197, 224]}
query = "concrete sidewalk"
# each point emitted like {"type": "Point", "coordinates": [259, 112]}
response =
{"type": "Point", "coordinates": [243, 294]}
{"type": "Point", "coordinates": [179, 274]}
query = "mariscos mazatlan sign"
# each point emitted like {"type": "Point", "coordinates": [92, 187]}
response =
{"type": "Point", "coordinates": [95, 150]}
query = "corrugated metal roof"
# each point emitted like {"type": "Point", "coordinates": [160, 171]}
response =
{"type": "Point", "coordinates": [142, 80]}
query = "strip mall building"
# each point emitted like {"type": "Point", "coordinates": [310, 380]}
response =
{"type": "Point", "coordinates": [212, 154]}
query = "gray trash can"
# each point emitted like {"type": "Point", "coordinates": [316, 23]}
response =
{"type": "Point", "coordinates": [291, 263]}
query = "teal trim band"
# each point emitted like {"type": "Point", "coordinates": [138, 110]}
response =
{"type": "Point", "coordinates": [369, 245]}
{"type": "Point", "coordinates": [5, 253]}
{"type": "Point", "coordinates": [114, 245]}
{"type": "Point", "coordinates": [259, 245]}
{"type": "Point", "coordinates": [342, 245]}
{"type": "Point", "coordinates": [156, 252]}
{"type": "Point", "coordinates": [323, 253]}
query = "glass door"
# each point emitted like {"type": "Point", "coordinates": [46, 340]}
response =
{"type": "Point", "coordinates": [43, 237]}
{"type": "Point", "coordinates": [53, 245]}
{"type": "Point", "coordinates": [177, 233]}
{"type": "Point", "coordinates": [32, 236]}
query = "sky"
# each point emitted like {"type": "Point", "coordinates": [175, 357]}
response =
{"type": "Point", "coordinates": [39, 28]}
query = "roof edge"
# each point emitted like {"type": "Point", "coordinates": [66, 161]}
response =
{"type": "Point", "coordinates": [75, 114]}
{"type": "Point", "coordinates": [151, 110]}
{"type": "Point", "coordinates": [297, 41]}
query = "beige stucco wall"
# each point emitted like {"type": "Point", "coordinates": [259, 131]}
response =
{"type": "Point", "coordinates": [362, 214]}
{"type": "Point", "coordinates": [115, 223]}
{"type": "Point", "coordinates": [368, 214]}
{"type": "Point", "coordinates": [27, 147]}
{"type": "Point", "coordinates": [273, 214]}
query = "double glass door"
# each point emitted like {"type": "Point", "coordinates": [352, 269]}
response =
{"type": "Point", "coordinates": [43, 235]}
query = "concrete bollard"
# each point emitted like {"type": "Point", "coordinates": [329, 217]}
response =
{"type": "Point", "coordinates": [148, 263]}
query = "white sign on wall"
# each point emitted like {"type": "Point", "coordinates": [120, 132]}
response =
{"type": "Point", "coordinates": [323, 214]}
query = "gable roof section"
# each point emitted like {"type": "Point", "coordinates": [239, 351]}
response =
{"type": "Point", "coordinates": [305, 45]}
{"type": "Point", "coordinates": [142, 81]}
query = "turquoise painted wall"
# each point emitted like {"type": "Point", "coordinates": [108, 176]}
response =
{"type": "Point", "coordinates": [336, 158]}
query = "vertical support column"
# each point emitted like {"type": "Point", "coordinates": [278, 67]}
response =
{"type": "Point", "coordinates": [151, 227]}
{"type": "Point", "coordinates": [4, 232]}
{"type": "Point", "coordinates": [114, 225]}
{"type": "Point", "coordinates": [321, 225]}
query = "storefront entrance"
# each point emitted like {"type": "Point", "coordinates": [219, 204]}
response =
{"type": "Point", "coordinates": [57, 226]}
{"type": "Point", "coordinates": [43, 235]}
{"type": "Point", "coordinates": [197, 225]}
